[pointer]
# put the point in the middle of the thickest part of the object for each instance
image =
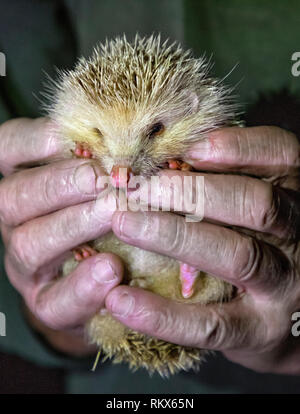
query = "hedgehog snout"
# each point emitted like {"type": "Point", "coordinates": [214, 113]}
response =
{"type": "Point", "coordinates": [120, 176]}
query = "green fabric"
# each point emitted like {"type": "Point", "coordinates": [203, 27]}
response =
{"type": "Point", "coordinates": [38, 35]}
{"type": "Point", "coordinates": [117, 379]}
{"type": "Point", "coordinates": [96, 20]}
{"type": "Point", "coordinates": [259, 36]}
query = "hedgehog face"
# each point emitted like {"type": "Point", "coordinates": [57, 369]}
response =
{"type": "Point", "coordinates": [136, 105]}
{"type": "Point", "coordinates": [140, 140]}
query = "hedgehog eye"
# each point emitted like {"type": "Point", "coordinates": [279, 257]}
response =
{"type": "Point", "coordinates": [156, 129]}
{"type": "Point", "coordinates": [98, 132]}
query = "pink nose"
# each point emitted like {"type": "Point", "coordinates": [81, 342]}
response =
{"type": "Point", "coordinates": [120, 176]}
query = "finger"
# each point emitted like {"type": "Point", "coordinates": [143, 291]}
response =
{"type": "Point", "coordinates": [237, 258]}
{"type": "Point", "coordinates": [226, 199]}
{"type": "Point", "coordinates": [70, 301]}
{"type": "Point", "coordinates": [219, 327]}
{"type": "Point", "coordinates": [39, 242]}
{"type": "Point", "coordinates": [42, 190]}
{"type": "Point", "coordinates": [25, 141]}
{"type": "Point", "coordinates": [262, 151]}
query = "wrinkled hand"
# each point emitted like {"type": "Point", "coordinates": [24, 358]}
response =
{"type": "Point", "coordinates": [46, 211]}
{"type": "Point", "coordinates": [255, 328]}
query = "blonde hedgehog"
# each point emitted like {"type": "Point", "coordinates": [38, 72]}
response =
{"type": "Point", "coordinates": [140, 106]}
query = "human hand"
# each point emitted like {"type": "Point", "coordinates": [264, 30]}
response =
{"type": "Point", "coordinates": [254, 329]}
{"type": "Point", "coordinates": [44, 212]}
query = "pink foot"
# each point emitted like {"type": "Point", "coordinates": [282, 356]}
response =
{"type": "Point", "coordinates": [188, 276]}
{"type": "Point", "coordinates": [179, 165]}
{"type": "Point", "coordinates": [83, 252]}
{"type": "Point", "coordinates": [82, 152]}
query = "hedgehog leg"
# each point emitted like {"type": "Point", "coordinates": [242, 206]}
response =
{"type": "Point", "coordinates": [188, 276]}
{"type": "Point", "coordinates": [83, 252]}
{"type": "Point", "coordinates": [82, 152]}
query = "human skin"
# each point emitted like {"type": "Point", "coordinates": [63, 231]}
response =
{"type": "Point", "coordinates": [45, 212]}
{"type": "Point", "coordinates": [44, 215]}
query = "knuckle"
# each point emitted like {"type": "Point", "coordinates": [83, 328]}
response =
{"type": "Point", "coordinates": [4, 143]}
{"type": "Point", "coordinates": [50, 192]}
{"type": "Point", "coordinates": [296, 156]}
{"type": "Point", "coordinates": [178, 239]}
{"type": "Point", "coordinates": [7, 206]}
{"type": "Point", "coordinates": [4, 203]}
{"type": "Point", "coordinates": [260, 204]}
{"type": "Point", "coordinates": [5, 232]}
{"type": "Point", "coordinates": [85, 292]}
{"type": "Point", "coordinates": [50, 134]}
{"type": "Point", "coordinates": [70, 226]}
{"type": "Point", "coordinates": [240, 148]}
{"type": "Point", "coordinates": [48, 314]}
{"type": "Point", "coordinates": [56, 184]}
{"type": "Point", "coordinates": [247, 259]}
{"type": "Point", "coordinates": [215, 331]}
{"type": "Point", "coordinates": [269, 208]}
{"type": "Point", "coordinates": [69, 179]}
{"type": "Point", "coordinates": [20, 250]}
{"type": "Point", "coordinates": [159, 322]}
{"type": "Point", "coordinates": [290, 147]}
{"type": "Point", "coordinates": [276, 210]}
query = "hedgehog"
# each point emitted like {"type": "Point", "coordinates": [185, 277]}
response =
{"type": "Point", "coordinates": [139, 106]}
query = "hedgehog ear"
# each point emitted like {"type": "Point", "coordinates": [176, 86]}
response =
{"type": "Point", "coordinates": [194, 102]}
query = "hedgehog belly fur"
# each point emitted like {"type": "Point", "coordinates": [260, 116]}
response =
{"type": "Point", "coordinates": [158, 274]}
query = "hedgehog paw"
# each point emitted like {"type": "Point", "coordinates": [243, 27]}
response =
{"type": "Point", "coordinates": [82, 152]}
{"type": "Point", "coordinates": [83, 252]}
{"type": "Point", "coordinates": [179, 165]}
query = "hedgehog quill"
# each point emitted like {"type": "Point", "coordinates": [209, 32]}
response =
{"type": "Point", "coordinates": [140, 106]}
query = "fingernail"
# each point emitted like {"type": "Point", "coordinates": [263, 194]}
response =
{"type": "Point", "coordinates": [133, 224]}
{"type": "Point", "coordinates": [123, 305]}
{"type": "Point", "coordinates": [103, 272]}
{"type": "Point", "coordinates": [85, 179]}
